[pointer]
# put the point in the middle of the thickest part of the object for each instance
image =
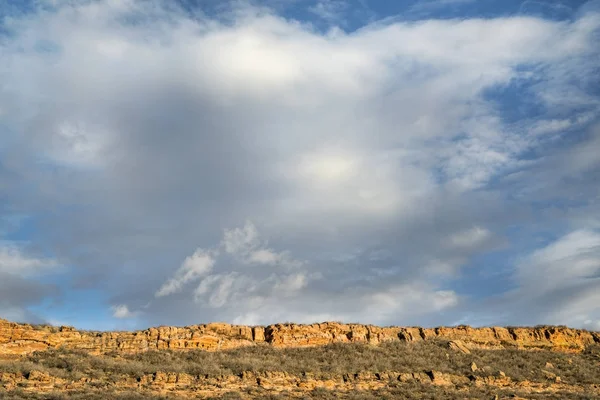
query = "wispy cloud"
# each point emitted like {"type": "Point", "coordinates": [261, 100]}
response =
{"type": "Point", "coordinates": [194, 267]}
{"type": "Point", "coordinates": [330, 10]}
{"type": "Point", "coordinates": [13, 260]}
{"type": "Point", "coordinates": [252, 274]}
{"type": "Point", "coordinates": [433, 5]}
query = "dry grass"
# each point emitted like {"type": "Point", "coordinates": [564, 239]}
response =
{"type": "Point", "coordinates": [84, 395]}
{"type": "Point", "coordinates": [321, 362]}
{"type": "Point", "coordinates": [412, 391]}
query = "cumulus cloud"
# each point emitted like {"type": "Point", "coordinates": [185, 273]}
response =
{"type": "Point", "coordinates": [264, 256]}
{"type": "Point", "coordinates": [121, 311]}
{"type": "Point", "coordinates": [379, 163]}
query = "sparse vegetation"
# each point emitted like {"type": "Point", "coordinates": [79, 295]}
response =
{"type": "Point", "coordinates": [325, 362]}
{"type": "Point", "coordinates": [408, 392]}
{"type": "Point", "coordinates": [83, 395]}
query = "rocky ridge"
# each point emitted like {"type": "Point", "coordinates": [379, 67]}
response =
{"type": "Point", "coordinates": [19, 339]}
{"type": "Point", "coordinates": [283, 361]}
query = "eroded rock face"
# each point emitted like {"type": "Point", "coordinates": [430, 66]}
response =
{"type": "Point", "coordinates": [18, 339]}
{"type": "Point", "coordinates": [184, 384]}
{"type": "Point", "coordinates": [22, 338]}
{"type": "Point", "coordinates": [189, 386]}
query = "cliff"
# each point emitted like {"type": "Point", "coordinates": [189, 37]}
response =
{"type": "Point", "coordinates": [284, 361]}
{"type": "Point", "coordinates": [18, 339]}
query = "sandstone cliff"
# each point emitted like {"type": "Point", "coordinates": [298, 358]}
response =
{"type": "Point", "coordinates": [18, 339]}
{"type": "Point", "coordinates": [284, 361]}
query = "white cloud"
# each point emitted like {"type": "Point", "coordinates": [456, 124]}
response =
{"type": "Point", "coordinates": [407, 299]}
{"type": "Point", "coordinates": [470, 238]}
{"type": "Point", "coordinates": [121, 311]}
{"type": "Point", "coordinates": [241, 240]}
{"type": "Point", "coordinates": [264, 256]}
{"type": "Point", "coordinates": [193, 267]}
{"type": "Point", "coordinates": [277, 290]}
{"type": "Point", "coordinates": [216, 290]}
{"type": "Point", "coordinates": [274, 61]}
{"type": "Point", "coordinates": [291, 283]}
{"type": "Point", "coordinates": [572, 258]}
{"type": "Point", "coordinates": [551, 126]}
{"type": "Point", "coordinates": [78, 145]}
{"type": "Point", "coordinates": [14, 261]}
{"type": "Point", "coordinates": [398, 303]}
{"type": "Point", "coordinates": [560, 283]}
{"type": "Point", "coordinates": [233, 285]}
{"type": "Point", "coordinates": [246, 246]}
{"type": "Point", "coordinates": [434, 5]}
{"type": "Point", "coordinates": [327, 169]}
{"type": "Point", "coordinates": [330, 10]}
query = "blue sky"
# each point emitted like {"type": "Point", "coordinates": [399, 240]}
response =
{"type": "Point", "coordinates": [423, 162]}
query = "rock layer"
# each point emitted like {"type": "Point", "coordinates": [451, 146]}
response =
{"type": "Point", "coordinates": [296, 386]}
{"type": "Point", "coordinates": [18, 339]}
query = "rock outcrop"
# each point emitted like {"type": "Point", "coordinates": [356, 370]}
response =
{"type": "Point", "coordinates": [295, 386]}
{"type": "Point", "coordinates": [18, 339]}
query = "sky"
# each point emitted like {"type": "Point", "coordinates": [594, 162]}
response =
{"type": "Point", "coordinates": [410, 162]}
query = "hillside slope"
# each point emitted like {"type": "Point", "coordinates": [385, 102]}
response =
{"type": "Point", "coordinates": [327, 360]}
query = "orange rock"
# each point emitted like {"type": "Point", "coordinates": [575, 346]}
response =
{"type": "Point", "coordinates": [459, 345]}
{"type": "Point", "coordinates": [17, 339]}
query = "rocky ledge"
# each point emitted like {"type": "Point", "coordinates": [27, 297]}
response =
{"type": "Point", "coordinates": [19, 339]}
